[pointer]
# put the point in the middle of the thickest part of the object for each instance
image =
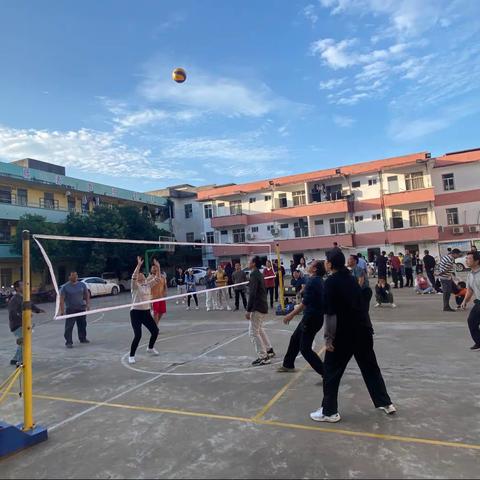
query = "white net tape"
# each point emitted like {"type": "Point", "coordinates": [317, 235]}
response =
{"type": "Point", "coordinates": [138, 242]}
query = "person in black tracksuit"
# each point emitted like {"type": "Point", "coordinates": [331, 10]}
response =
{"type": "Point", "coordinates": [429, 264]}
{"type": "Point", "coordinates": [311, 323]}
{"type": "Point", "coordinates": [349, 333]}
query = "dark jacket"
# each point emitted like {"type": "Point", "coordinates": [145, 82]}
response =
{"type": "Point", "coordinates": [313, 299]}
{"type": "Point", "coordinates": [381, 263]}
{"type": "Point", "coordinates": [257, 293]}
{"type": "Point", "coordinates": [429, 262]}
{"type": "Point", "coordinates": [15, 311]}
{"type": "Point", "coordinates": [239, 277]}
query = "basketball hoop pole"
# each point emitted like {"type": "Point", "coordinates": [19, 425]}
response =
{"type": "Point", "coordinates": [27, 335]}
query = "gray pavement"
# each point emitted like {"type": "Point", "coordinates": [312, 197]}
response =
{"type": "Point", "coordinates": [199, 410]}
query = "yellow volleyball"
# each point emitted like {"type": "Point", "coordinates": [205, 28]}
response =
{"type": "Point", "coordinates": [179, 75]}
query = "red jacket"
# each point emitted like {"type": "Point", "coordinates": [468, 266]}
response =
{"type": "Point", "coordinates": [269, 273]}
{"type": "Point", "coordinates": [395, 263]}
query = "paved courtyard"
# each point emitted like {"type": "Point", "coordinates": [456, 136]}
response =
{"type": "Point", "coordinates": [199, 410]}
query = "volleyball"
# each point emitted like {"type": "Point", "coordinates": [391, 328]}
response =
{"type": "Point", "coordinates": [179, 75]}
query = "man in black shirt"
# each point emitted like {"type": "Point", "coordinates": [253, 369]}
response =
{"type": "Point", "coordinates": [349, 333]}
{"type": "Point", "coordinates": [429, 264]}
{"type": "Point", "coordinates": [381, 263]}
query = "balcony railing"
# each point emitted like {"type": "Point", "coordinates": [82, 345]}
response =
{"type": "Point", "coordinates": [21, 201]}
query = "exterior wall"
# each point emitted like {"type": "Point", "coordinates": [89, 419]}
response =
{"type": "Point", "coordinates": [182, 225]}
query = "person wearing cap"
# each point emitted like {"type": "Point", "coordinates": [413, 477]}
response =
{"type": "Point", "coordinates": [446, 275]}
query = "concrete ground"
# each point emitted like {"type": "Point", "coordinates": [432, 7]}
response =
{"type": "Point", "coordinates": [199, 410]}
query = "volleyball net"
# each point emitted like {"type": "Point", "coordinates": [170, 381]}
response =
{"type": "Point", "coordinates": [106, 265]}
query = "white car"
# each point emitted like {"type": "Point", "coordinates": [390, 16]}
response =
{"type": "Point", "coordinates": [461, 264]}
{"type": "Point", "coordinates": [98, 286]}
{"type": "Point", "coordinates": [199, 273]}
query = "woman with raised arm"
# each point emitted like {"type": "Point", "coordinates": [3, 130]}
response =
{"type": "Point", "coordinates": [140, 311]}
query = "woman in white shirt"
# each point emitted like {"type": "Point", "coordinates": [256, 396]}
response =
{"type": "Point", "coordinates": [140, 314]}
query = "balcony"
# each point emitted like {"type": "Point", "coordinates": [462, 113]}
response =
{"type": "Point", "coordinates": [232, 250]}
{"type": "Point", "coordinates": [230, 221]}
{"type": "Point", "coordinates": [409, 235]}
{"type": "Point", "coordinates": [320, 208]}
{"type": "Point", "coordinates": [409, 197]}
{"type": "Point", "coordinates": [12, 208]}
{"type": "Point", "coordinates": [323, 242]}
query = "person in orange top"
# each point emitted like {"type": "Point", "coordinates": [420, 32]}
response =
{"type": "Point", "coordinates": [460, 295]}
{"type": "Point", "coordinates": [159, 290]}
{"type": "Point", "coordinates": [269, 282]}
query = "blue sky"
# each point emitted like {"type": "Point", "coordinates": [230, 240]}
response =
{"type": "Point", "coordinates": [274, 86]}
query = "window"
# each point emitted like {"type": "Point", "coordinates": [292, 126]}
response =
{"type": "Point", "coordinates": [318, 222]}
{"type": "Point", "coordinates": [210, 237]}
{"type": "Point", "coordinates": [282, 200]}
{"type": "Point", "coordinates": [238, 235]}
{"type": "Point", "coordinates": [377, 216]}
{"type": "Point", "coordinates": [372, 181]}
{"type": "Point", "coordinates": [221, 205]}
{"type": "Point", "coordinates": [48, 201]}
{"type": "Point", "coordinates": [22, 196]}
{"type": "Point", "coordinates": [235, 207]}
{"type": "Point", "coordinates": [5, 194]}
{"type": "Point", "coordinates": [299, 198]}
{"type": "Point", "coordinates": [6, 277]}
{"type": "Point", "coordinates": [284, 225]}
{"type": "Point", "coordinates": [452, 216]}
{"type": "Point", "coordinates": [5, 235]}
{"type": "Point", "coordinates": [414, 181]}
{"type": "Point", "coordinates": [188, 211]}
{"type": "Point", "coordinates": [268, 198]}
{"type": "Point", "coordinates": [356, 184]}
{"type": "Point", "coordinates": [448, 182]}
{"type": "Point", "coordinates": [252, 200]}
{"type": "Point", "coordinates": [224, 232]}
{"type": "Point", "coordinates": [254, 229]}
{"type": "Point", "coordinates": [359, 218]}
{"type": "Point", "coordinates": [71, 204]}
{"type": "Point", "coordinates": [207, 210]}
{"type": "Point", "coordinates": [397, 220]}
{"type": "Point", "coordinates": [300, 228]}
{"type": "Point", "coordinates": [319, 228]}
{"type": "Point", "coordinates": [190, 237]}
{"type": "Point", "coordinates": [418, 217]}
{"type": "Point", "coordinates": [337, 225]}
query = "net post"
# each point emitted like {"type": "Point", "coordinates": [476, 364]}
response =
{"type": "Point", "coordinates": [280, 277]}
{"type": "Point", "coordinates": [27, 335]}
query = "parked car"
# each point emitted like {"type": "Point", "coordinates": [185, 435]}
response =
{"type": "Point", "coordinates": [98, 286]}
{"type": "Point", "coordinates": [461, 264]}
{"type": "Point", "coordinates": [200, 273]}
{"type": "Point", "coordinates": [125, 284]}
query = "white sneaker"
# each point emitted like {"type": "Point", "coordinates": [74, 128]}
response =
{"type": "Point", "coordinates": [197, 308]}
{"type": "Point", "coordinates": [188, 308]}
{"type": "Point", "coordinates": [177, 302]}
{"type": "Point", "coordinates": [318, 416]}
{"type": "Point", "coordinates": [152, 351]}
{"type": "Point", "coordinates": [208, 309]}
{"type": "Point", "coordinates": [131, 360]}
{"type": "Point", "coordinates": [377, 305]}
{"type": "Point", "coordinates": [389, 409]}
{"type": "Point", "coordinates": [229, 308]}
{"type": "Point", "coordinates": [393, 305]}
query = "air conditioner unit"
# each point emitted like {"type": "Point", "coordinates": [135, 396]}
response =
{"type": "Point", "coordinates": [275, 231]}
{"type": "Point", "coordinates": [457, 230]}
{"type": "Point", "coordinates": [250, 236]}
{"type": "Point", "coordinates": [474, 228]}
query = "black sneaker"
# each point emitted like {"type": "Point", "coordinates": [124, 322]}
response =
{"type": "Point", "coordinates": [13, 362]}
{"type": "Point", "coordinates": [475, 347]}
{"type": "Point", "coordinates": [270, 353]}
{"type": "Point", "coordinates": [84, 341]}
{"type": "Point", "coordinates": [69, 345]}
{"type": "Point", "coordinates": [261, 361]}
{"type": "Point", "coordinates": [449, 309]}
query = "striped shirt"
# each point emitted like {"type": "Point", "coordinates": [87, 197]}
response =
{"type": "Point", "coordinates": [447, 267]}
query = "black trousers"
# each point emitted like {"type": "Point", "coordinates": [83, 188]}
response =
{"type": "Point", "coordinates": [270, 291]}
{"type": "Point", "coordinates": [397, 277]}
{"type": "Point", "coordinates": [358, 344]}
{"type": "Point", "coordinates": [81, 326]}
{"type": "Point", "coordinates": [474, 323]}
{"type": "Point", "coordinates": [237, 299]}
{"type": "Point", "coordinates": [277, 283]}
{"type": "Point", "coordinates": [137, 319]}
{"type": "Point", "coordinates": [431, 276]}
{"type": "Point", "coordinates": [409, 277]}
{"type": "Point", "coordinates": [302, 341]}
{"type": "Point", "coordinates": [194, 295]}
{"type": "Point", "coordinates": [447, 289]}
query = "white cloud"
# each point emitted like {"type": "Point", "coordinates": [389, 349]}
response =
{"type": "Point", "coordinates": [310, 14]}
{"type": "Point", "coordinates": [352, 99]}
{"type": "Point", "coordinates": [88, 150]}
{"type": "Point", "coordinates": [334, 53]}
{"type": "Point", "coordinates": [331, 84]}
{"type": "Point", "coordinates": [343, 121]}
{"type": "Point", "coordinates": [209, 93]}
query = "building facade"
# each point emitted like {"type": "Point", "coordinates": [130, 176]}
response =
{"type": "Point", "coordinates": [393, 204]}
{"type": "Point", "coordinates": [45, 190]}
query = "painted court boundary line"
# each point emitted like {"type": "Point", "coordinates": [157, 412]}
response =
{"type": "Point", "coordinates": [271, 423]}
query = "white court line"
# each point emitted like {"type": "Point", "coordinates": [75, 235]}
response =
{"type": "Point", "coordinates": [146, 382]}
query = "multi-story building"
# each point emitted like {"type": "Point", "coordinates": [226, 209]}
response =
{"type": "Point", "coordinates": [389, 204]}
{"type": "Point", "coordinates": [33, 187]}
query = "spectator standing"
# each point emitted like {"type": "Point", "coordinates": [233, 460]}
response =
{"type": "Point", "coordinates": [408, 266]}
{"type": "Point", "coordinates": [381, 264]}
{"type": "Point", "coordinates": [180, 281]}
{"type": "Point", "coordinates": [473, 290]}
{"type": "Point", "coordinates": [446, 275]}
{"type": "Point", "coordinates": [429, 264]}
{"type": "Point", "coordinates": [211, 297]}
{"type": "Point", "coordinates": [239, 276]}
{"type": "Point", "coordinates": [229, 272]}
{"type": "Point", "coordinates": [396, 268]}
{"type": "Point", "coordinates": [269, 277]}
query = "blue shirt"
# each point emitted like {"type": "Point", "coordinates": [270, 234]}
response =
{"type": "Point", "coordinates": [362, 263]}
{"type": "Point", "coordinates": [358, 272]}
{"type": "Point", "coordinates": [74, 295]}
{"type": "Point", "coordinates": [298, 283]}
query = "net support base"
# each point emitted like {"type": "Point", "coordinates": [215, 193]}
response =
{"type": "Point", "coordinates": [13, 438]}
